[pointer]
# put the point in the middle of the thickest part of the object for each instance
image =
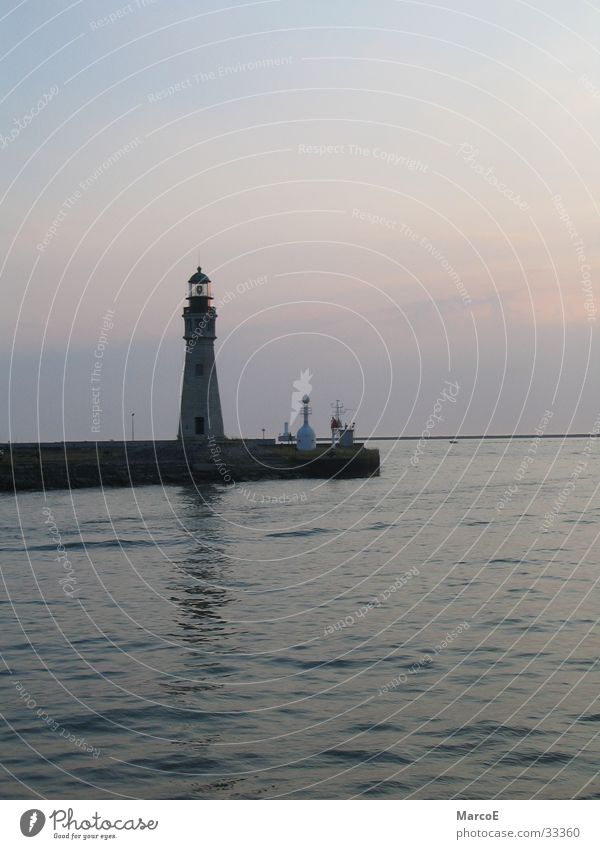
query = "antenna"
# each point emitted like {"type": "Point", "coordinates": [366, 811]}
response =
{"type": "Point", "coordinates": [342, 433]}
{"type": "Point", "coordinates": [338, 409]}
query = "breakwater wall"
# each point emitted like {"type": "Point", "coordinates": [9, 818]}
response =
{"type": "Point", "coordinates": [73, 465]}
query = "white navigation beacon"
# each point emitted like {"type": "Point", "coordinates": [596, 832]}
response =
{"type": "Point", "coordinates": [305, 438]}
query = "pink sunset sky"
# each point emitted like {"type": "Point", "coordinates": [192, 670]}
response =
{"type": "Point", "coordinates": [390, 195]}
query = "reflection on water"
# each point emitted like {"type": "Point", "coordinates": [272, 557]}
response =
{"type": "Point", "coordinates": [400, 637]}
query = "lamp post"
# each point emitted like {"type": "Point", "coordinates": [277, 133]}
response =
{"type": "Point", "coordinates": [133, 427]}
{"type": "Point", "coordinates": [263, 433]}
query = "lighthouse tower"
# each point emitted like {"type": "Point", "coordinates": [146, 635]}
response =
{"type": "Point", "coordinates": [305, 438]}
{"type": "Point", "coordinates": [201, 415]}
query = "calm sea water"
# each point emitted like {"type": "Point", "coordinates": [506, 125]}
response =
{"type": "Point", "coordinates": [432, 633]}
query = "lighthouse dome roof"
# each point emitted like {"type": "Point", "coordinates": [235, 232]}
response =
{"type": "Point", "coordinates": [199, 277]}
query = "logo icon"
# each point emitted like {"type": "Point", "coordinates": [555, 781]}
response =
{"type": "Point", "coordinates": [32, 822]}
{"type": "Point", "coordinates": [301, 387]}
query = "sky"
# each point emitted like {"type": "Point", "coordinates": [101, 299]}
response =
{"type": "Point", "coordinates": [395, 196]}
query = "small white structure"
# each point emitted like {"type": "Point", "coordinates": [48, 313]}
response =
{"type": "Point", "coordinates": [342, 435]}
{"type": "Point", "coordinates": [305, 438]}
{"type": "Point", "coordinates": [346, 439]}
{"type": "Point", "coordinates": [287, 437]}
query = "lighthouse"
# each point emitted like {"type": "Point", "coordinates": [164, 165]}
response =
{"type": "Point", "coordinates": [305, 438]}
{"type": "Point", "coordinates": [201, 415]}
